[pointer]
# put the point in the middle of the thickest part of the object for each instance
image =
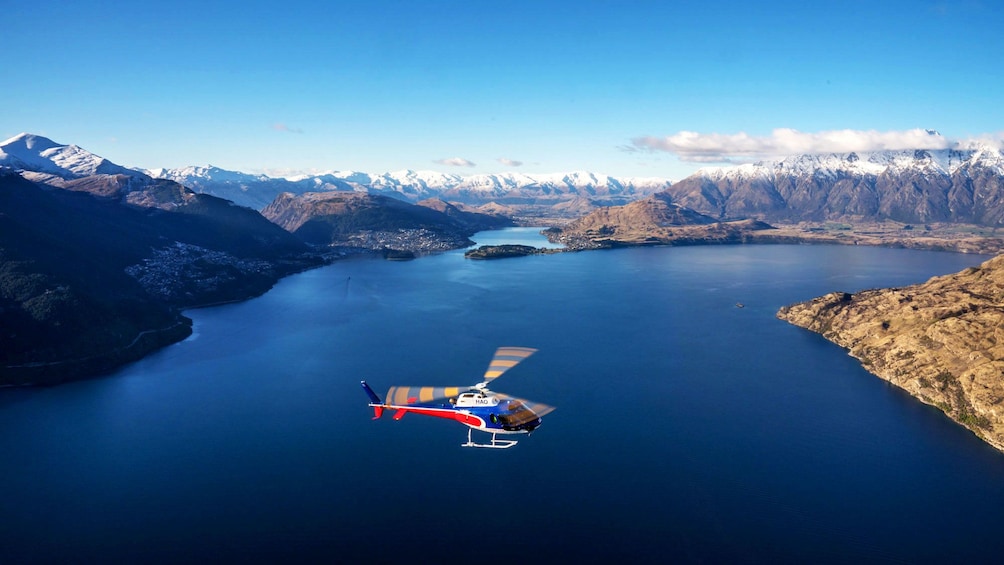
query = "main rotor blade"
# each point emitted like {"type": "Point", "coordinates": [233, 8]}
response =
{"type": "Point", "coordinates": [404, 395]}
{"type": "Point", "coordinates": [506, 358]}
{"type": "Point", "coordinates": [522, 411]}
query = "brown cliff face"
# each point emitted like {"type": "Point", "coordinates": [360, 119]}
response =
{"type": "Point", "coordinates": [942, 341]}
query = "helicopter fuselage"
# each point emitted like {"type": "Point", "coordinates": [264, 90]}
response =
{"type": "Point", "coordinates": [477, 410]}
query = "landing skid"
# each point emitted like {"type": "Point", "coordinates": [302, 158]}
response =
{"type": "Point", "coordinates": [495, 444]}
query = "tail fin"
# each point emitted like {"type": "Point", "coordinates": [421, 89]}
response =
{"type": "Point", "coordinates": [374, 400]}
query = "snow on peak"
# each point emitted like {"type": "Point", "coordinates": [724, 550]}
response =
{"type": "Point", "coordinates": [42, 155]}
{"type": "Point", "coordinates": [926, 161]}
{"type": "Point", "coordinates": [28, 142]}
{"type": "Point", "coordinates": [743, 171]}
{"type": "Point", "coordinates": [198, 174]}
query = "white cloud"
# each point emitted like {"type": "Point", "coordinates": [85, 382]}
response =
{"type": "Point", "coordinates": [993, 139]}
{"type": "Point", "coordinates": [510, 162]}
{"type": "Point", "coordinates": [739, 147]}
{"type": "Point", "coordinates": [455, 162]}
{"type": "Point", "coordinates": [285, 128]}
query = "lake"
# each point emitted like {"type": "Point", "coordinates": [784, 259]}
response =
{"type": "Point", "coordinates": [687, 429]}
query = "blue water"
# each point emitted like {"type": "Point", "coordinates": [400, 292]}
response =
{"type": "Point", "coordinates": [687, 429]}
{"type": "Point", "coordinates": [522, 235]}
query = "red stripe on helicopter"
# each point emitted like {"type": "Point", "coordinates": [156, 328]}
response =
{"type": "Point", "coordinates": [468, 419]}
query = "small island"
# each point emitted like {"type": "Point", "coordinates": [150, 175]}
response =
{"type": "Point", "coordinates": [398, 254]}
{"type": "Point", "coordinates": [503, 251]}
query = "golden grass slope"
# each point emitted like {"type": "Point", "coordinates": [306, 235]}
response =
{"type": "Point", "coordinates": [942, 341]}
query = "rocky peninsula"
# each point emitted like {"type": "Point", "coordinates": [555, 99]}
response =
{"type": "Point", "coordinates": [942, 341]}
{"type": "Point", "coordinates": [657, 220]}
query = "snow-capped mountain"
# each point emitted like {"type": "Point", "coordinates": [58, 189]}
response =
{"type": "Point", "coordinates": [249, 190]}
{"type": "Point", "coordinates": [257, 191]}
{"type": "Point", "coordinates": [964, 184]}
{"type": "Point", "coordinates": [37, 154]}
{"type": "Point", "coordinates": [208, 173]}
{"type": "Point", "coordinates": [951, 185]}
{"type": "Point", "coordinates": [944, 161]}
{"type": "Point", "coordinates": [44, 160]}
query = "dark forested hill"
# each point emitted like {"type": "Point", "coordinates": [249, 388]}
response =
{"type": "Point", "coordinates": [90, 281]}
{"type": "Point", "coordinates": [376, 222]}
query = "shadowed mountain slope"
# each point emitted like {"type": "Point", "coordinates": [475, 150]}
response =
{"type": "Point", "coordinates": [95, 274]}
{"type": "Point", "coordinates": [377, 222]}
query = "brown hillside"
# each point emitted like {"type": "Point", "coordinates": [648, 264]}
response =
{"type": "Point", "coordinates": [653, 220]}
{"type": "Point", "coordinates": [942, 341]}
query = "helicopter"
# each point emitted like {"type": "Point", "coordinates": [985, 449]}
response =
{"type": "Point", "coordinates": [474, 406]}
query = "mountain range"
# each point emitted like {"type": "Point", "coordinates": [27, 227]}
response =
{"type": "Point", "coordinates": [547, 190]}
{"type": "Point", "coordinates": [567, 193]}
{"type": "Point", "coordinates": [964, 185]}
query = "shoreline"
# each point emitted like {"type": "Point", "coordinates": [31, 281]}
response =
{"type": "Point", "coordinates": [936, 340]}
{"type": "Point", "coordinates": [936, 237]}
{"type": "Point", "coordinates": [51, 373]}
{"type": "Point", "coordinates": [101, 365]}
{"type": "Point", "coordinates": [143, 343]}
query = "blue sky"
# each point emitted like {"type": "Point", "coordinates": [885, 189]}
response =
{"type": "Point", "coordinates": [478, 87]}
